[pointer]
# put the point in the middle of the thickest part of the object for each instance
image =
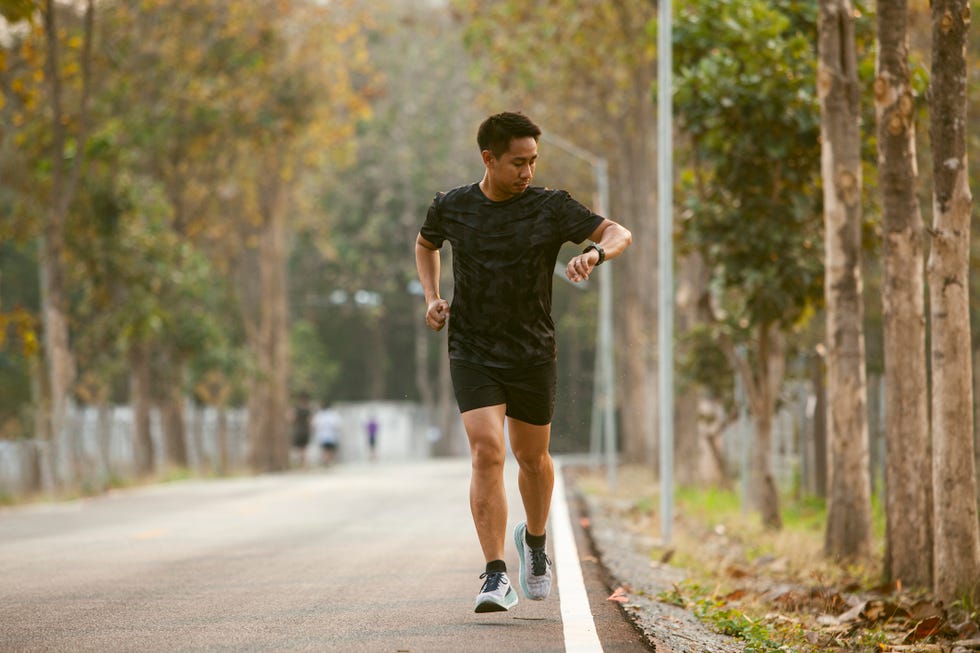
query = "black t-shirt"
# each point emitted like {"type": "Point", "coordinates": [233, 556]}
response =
{"type": "Point", "coordinates": [504, 255]}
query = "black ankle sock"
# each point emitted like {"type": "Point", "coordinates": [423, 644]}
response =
{"type": "Point", "coordinates": [534, 541]}
{"type": "Point", "coordinates": [496, 566]}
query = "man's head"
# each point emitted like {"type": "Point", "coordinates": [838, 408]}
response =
{"type": "Point", "coordinates": [509, 147]}
{"type": "Point", "coordinates": [497, 131]}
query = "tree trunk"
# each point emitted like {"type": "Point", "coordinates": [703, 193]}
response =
{"type": "Point", "coordinates": [171, 405]}
{"type": "Point", "coordinates": [269, 396]}
{"type": "Point", "coordinates": [139, 397]}
{"type": "Point", "coordinates": [820, 447]}
{"type": "Point", "coordinates": [849, 500]}
{"type": "Point", "coordinates": [103, 434]}
{"type": "Point", "coordinates": [377, 358]}
{"type": "Point", "coordinates": [221, 459]}
{"type": "Point", "coordinates": [635, 204]}
{"type": "Point", "coordinates": [908, 493]}
{"type": "Point", "coordinates": [448, 413]}
{"type": "Point", "coordinates": [423, 375]}
{"type": "Point", "coordinates": [696, 458]}
{"type": "Point", "coordinates": [976, 418]}
{"type": "Point", "coordinates": [51, 258]}
{"type": "Point", "coordinates": [762, 385]}
{"type": "Point", "coordinates": [957, 540]}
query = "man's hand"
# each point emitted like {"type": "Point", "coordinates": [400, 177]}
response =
{"type": "Point", "coordinates": [581, 266]}
{"type": "Point", "coordinates": [437, 314]}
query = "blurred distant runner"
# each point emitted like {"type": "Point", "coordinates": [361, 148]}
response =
{"type": "Point", "coordinates": [506, 235]}
{"type": "Point", "coordinates": [326, 430]}
{"type": "Point", "coordinates": [302, 417]}
{"type": "Point", "coordinates": [372, 437]}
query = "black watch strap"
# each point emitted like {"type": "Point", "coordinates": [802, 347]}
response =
{"type": "Point", "coordinates": [599, 250]}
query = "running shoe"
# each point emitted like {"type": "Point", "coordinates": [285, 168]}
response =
{"type": "Point", "coordinates": [535, 567]}
{"type": "Point", "coordinates": [497, 594]}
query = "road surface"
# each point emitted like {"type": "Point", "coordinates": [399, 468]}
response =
{"type": "Point", "coordinates": [365, 557]}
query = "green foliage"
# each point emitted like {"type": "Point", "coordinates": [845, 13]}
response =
{"type": "Point", "coordinates": [315, 370]}
{"type": "Point", "coordinates": [709, 504]}
{"type": "Point", "coordinates": [703, 362]}
{"type": "Point", "coordinates": [713, 610]}
{"type": "Point", "coordinates": [17, 10]}
{"type": "Point", "coordinates": [808, 513]}
{"type": "Point", "coordinates": [746, 99]}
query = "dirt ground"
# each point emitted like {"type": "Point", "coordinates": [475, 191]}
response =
{"type": "Point", "coordinates": [729, 586]}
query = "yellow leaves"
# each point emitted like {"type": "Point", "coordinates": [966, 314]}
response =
{"type": "Point", "coordinates": [345, 33]}
{"type": "Point", "coordinates": [24, 327]}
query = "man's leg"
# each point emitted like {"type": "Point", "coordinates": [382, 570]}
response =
{"type": "Point", "coordinates": [536, 480]}
{"type": "Point", "coordinates": [488, 498]}
{"type": "Point", "coordinates": [536, 477]}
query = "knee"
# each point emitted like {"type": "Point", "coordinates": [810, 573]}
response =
{"type": "Point", "coordinates": [487, 455]}
{"type": "Point", "coordinates": [534, 462]}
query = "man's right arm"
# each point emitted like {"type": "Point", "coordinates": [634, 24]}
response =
{"type": "Point", "coordinates": [427, 262]}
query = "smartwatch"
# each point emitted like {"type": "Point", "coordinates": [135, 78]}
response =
{"type": "Point", "coordinates": [597, 248]}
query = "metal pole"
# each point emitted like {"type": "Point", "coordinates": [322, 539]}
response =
{"type": "Point", "coordinates": [606, 337]}
{"type": "Point", "coordinates": [604, 415]}
{"type": "Point", "coordinates": [665, 187]}
{"type": "Point", "coordinates": [745, 441]}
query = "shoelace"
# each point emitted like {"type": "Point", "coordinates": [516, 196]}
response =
{"type": "Point", "coordinates": [539, 561]}
{"type": "Point", "coordinates": [493, 581]}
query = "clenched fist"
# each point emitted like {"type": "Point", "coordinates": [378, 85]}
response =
{"type": "Point", "coordinates": [437, 314]}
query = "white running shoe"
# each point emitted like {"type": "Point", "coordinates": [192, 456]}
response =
{"type": "Point", "coordinates": [497, 594]}
{"type": "Point", "coordinates": [535, 567]}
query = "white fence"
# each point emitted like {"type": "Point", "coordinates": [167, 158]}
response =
{"type": "Point", "coordinates": [101, 443]}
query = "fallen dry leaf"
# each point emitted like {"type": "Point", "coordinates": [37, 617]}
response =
{"type": "Point", "coordinates": [619, 595]}
{"type": "Point", "coordinates": [925, 628]}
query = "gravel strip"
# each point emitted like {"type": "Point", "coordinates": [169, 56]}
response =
{"type": "Point", "coordinates": [625, 555]}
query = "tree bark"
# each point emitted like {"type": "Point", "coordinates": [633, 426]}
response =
{"type": "Point", "coordinates": [762, 383]}
{"type": "Point", "coordinates": [820, 445]}
{"type": "Point", "coordinates": [635, 203]}
{"type": "Point", "coordinates": [908, 498]}
{"type": "Point", "coordinates": [957, 540]}
{"type": "Point", "coordinates": [269, 396]}
{"type": "Point", "coordinates": [51, 258]}
{"type": "Point", "coordinates": [139, 397]}
{"type": "Point", "coordinates": [696, 457]}
{"type": "Point", "coordinates": [170, 403]}
{"type": "Point", "coordinates": [848, 533]}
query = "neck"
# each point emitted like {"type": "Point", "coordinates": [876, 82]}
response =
{"type": "Point", "coordinates": [487, 189]}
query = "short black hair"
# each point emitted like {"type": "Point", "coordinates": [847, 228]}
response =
{"type": "Point", "coordinates": [497, 131]}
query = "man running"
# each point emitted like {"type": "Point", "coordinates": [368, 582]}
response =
{"type": "Point", "coordinates": [506, 235]}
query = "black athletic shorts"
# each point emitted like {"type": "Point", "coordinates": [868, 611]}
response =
{"type": "Point", "coordinates": [528, 392]}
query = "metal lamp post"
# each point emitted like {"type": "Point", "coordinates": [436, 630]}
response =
{"type": "Point", "coordinates": [665, 186]}
{"type": "Point", "coordinates": [603, 416]}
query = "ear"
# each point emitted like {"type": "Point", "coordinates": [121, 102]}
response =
{"type": "Point", "coordinates": [488, 158]}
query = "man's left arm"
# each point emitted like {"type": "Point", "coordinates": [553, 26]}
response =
{"type": "Point", "coordinates": [610, 238]}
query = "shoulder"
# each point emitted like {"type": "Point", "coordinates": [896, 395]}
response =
{"type": "Point", "coordinates": [544, 196]}
{"type": "Point", "coordinates": [458, 196]}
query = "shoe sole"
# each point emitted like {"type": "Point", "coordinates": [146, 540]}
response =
{"type": "Point", "coordinates": [519, 542]}
{"type": "Point", "coordinates": [493, 606]}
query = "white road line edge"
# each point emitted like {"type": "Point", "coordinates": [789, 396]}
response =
{"type": "Point", "coordinates": [576, 616]}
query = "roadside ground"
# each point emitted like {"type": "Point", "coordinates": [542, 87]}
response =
{"type": "Point", "coordinates": [727, 584]}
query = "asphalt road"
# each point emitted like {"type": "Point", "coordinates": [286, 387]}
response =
{"type": "Point", "coordinates": [356, 558]}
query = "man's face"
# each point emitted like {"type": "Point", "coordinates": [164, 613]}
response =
{"type": "Point", "coordinates": [511, 174]}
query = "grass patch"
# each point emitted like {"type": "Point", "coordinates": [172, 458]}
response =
{"type": "Point", "coordinates": [765, 587]}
